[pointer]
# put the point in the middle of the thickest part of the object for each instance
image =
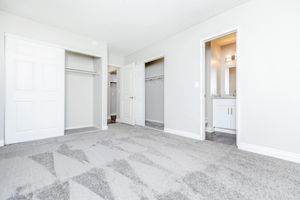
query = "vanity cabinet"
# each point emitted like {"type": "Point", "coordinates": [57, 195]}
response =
{"type": "Point", "coordinates": [224, 113]}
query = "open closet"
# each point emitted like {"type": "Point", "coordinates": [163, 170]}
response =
{"type": "Point", "coordinates": [154, 94]}
{"type": "Point", "coordinates": [82, 92]}
{"type": "Point", "coordinates": [113, 94]}
{"type": "Point", "coordinates": [50, 91]}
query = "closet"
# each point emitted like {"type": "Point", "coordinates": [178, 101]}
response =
{"type": "Point", "coordinates": [82, 92]}
{"type": "Point", "coordinates": [154, 94]}
{"type": "Point", "coordinates": [113, 94]}
{"type": "Point", "coordinates": [50, 91]}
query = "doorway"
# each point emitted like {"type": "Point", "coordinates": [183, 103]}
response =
{"type": "Point", "coordinates": [154, 94]}
{"type": "Point", "coordinates": [113, 95]}
{"type": "Point", "coordinates": [221, 88]}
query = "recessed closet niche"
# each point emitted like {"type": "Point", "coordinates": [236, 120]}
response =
{"type": "Point", "coordinates": [154, 94]}
{"type": "Point", "coordinates": [82, 92]}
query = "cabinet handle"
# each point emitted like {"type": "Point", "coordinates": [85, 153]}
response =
{"type": "Point", "coordinates": [231, 111]}
{"type": "Point", "coordinates": [228, 111]}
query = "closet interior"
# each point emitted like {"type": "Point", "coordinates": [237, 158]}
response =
{"type": "Point", "coordinates": [154, 94]}
{"type": "Point", "coordinates": [82, 92]}
{"type": "Point", "coordinates": [113, 94]}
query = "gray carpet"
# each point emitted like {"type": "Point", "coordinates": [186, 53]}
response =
{"type": "Point", "coordinates": [223, 138]}
{"type": "Point", "coordinates": [155, 125]}
{"type": "Point", "coordinates": [131, 163]}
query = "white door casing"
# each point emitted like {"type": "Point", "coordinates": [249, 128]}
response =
{"type": "Point", "coordinates": [139, 100]}
{"type": "Point", "coordinates": [127, 94]}
{"type": "Point", "coordinates": [34, 90]}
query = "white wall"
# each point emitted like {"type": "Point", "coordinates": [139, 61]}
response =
{"type": "Point", "coordinates": [268, 75]}
{"type": "Point", "coordinates": [227, 50]}
{"type": "Point", "coordinates": [79, 100]}
{"type": "Point", "coordinates": [216, 66]}
{"type": "Point", "coordinates": [115, 59]}
{"type": "Point", "coordinates": [79, 92]}
{"type": "Point", "coordinates": [154, 92]}
{"type": "Point", "coordinates": [36, 31]}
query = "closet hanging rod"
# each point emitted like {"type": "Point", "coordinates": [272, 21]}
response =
{"type": "Point", "coordinates": [154, 78]}
{"type": "Point", "coordinates": [81, 71]}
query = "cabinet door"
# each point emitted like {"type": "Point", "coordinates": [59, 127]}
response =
{"type": "Point", "coordinates": [233, 117]}
{"type": "Point", "coordinates": [221, 116]}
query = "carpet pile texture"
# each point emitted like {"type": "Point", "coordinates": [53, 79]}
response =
{"type": "Point", "coordinates": [135, 163]}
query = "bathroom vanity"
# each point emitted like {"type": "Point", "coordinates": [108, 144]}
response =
{"type": "Point", "coordinates": [224, 113]}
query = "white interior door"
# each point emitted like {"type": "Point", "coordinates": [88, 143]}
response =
{"type": "Point", "coordinates": [34, 91]}
{"type": "Point", "coordinates": [139, 100]}
{"type": "Point", "coordinates": [127, 94]}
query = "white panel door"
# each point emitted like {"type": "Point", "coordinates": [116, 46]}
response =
{"type": "Point", "coordinates": [139, 100]}
{"type": "Point", "coordinates": [127, 94]}
{"type": "Point", "coordinates": [34, 91]}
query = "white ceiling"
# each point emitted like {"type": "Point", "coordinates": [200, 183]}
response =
{"type": "Point", "coordinates": [127, 25]}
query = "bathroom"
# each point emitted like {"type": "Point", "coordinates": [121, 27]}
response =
{"type": "Point", "coordinates": [221, 92]}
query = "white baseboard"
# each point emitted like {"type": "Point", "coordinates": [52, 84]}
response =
{"type": "Point", "coordinates": [285, 155]}
{"type": "Point", "coordinates": [105, 127]}
{"type": "Point", "coordinates": [155, 121]}
{"type": "Point", "coordinates": [233, 132]}
{"type": "Point", "coordinates": [1, 143]}
{"type": "Point", "coordinates": [78, 127]}
{"type": "Point", "coordinates": [183, 134]}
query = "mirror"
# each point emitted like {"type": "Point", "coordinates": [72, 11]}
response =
{"type": "Point", "coordinates": [222, 53]}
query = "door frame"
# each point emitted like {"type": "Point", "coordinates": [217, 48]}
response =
{"type": "Point", "coordinates": [203, 79]}
{"type": "Point", "coordinates": [150, 60]}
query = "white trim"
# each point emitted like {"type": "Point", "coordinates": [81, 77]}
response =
{"type": "Point", "coordinates": [78, 127]}
{"type": "Point", "coordinates": [1, 143]}
{"type": "Point", "coordinates": [233, 132]}
{"type": "Point", "coordinates": [114, 65]}
{"type": "Point", "coordinates": [202, 75]}
{"type": "Point", "coordinates": [183, 133]}
{"type": "Point", "coordinates": [267, 151]}
{"type": "Point", "coordinates": [154, 58]}
{"type": "Point", "coordinates": [41, 42]}
{"type": "Point", "coordinates": [155, 121]}
{"type": "Point", "coordinates": [104, 128]}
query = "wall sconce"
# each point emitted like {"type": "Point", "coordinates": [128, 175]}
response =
{"type": "Point", "coordinates": [230, 58]}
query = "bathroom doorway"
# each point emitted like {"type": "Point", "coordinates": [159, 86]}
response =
{"type": "Point", "coordinates": [221, 88]}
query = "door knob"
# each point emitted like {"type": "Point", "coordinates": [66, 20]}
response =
{"type": "Point", "coordinates": [131, 97]}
